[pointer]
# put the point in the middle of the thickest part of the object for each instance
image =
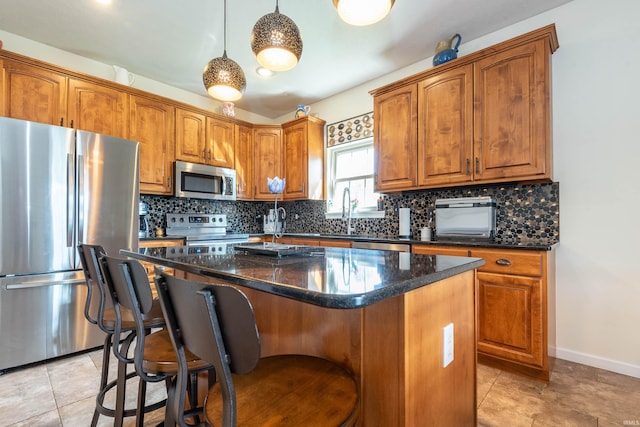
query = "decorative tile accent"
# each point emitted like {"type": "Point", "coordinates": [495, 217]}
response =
{"type": "Point", "coordinates": [350, 130]}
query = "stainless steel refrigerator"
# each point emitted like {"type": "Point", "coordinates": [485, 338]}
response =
{"type": "Point", "coordinates": [58, 187]}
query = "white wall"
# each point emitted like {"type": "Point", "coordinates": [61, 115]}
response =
{"type": "Point", "coordinates": [23, 46]}
{"type": "Point", "coordinates": [596, 112]}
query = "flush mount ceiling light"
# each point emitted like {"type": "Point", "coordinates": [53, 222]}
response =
{"type": "Point", "coordinates": [362, 12]}
{"type": "Point", "coordinates": [222, 77]}
{"type": "Point", "coordinates": [276, 41]}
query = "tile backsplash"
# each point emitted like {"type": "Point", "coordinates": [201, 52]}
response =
{"type": "Point", "coordinates": [525, 213]}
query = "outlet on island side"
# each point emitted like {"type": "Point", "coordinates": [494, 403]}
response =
{"type": "Point", "coordinates": [447, 345]}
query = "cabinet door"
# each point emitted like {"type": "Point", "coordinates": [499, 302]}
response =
{"type": "Point", "coordinates": [96, 108]}
{"type": "Point", "coordinates": [512, 136]}
{"type": "Point", "coordinates": [244, 163]}
{"type": "Point", "coordinates": [267, 159]}
{"type": "Point", "coordinates": [445, 127]}
{"type": "Point", "coordinates": [152, 125]}
{"type": "Point", "coordinates": [295, 161]}
{"type": "Point", "coordinates": [220, 143]}
{"type": "Point", "coordinates": [190, 131]}
{"type": "Point", "coordinates": [303, 158]}
{"type": "Point", "coordinates": [395, 143]}
{"type": "Point", "coordinates": [510, 318]}
{"type": "Point", "coordinates": [32, 93]}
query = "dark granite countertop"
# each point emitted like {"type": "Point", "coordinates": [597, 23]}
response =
{"type": "Point", "coordinates": [330, 277]}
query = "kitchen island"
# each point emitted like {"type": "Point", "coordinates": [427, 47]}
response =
{"type": "Point", "coordinates": [381, 314]}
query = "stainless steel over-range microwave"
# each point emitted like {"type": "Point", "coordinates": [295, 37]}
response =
{"type": "Point", "coordinates": [204, 181]}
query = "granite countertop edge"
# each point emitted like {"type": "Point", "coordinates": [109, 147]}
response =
{"type": "Point", "coordinates": [338, 301]}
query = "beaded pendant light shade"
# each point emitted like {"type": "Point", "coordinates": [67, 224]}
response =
{"type": "Point", "coordinates": [223, 77]}
{"type": "Point", "coordinates": [276, 41]}
{"type": "Point", "coordinates": [362, 12]}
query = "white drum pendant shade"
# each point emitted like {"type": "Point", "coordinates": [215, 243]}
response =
{"type": "Point", "coordinates": [362, 12]}
{"type": "Point", "coordinates": [276, 42]}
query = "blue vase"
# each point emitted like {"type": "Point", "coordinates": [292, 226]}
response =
{"type": "Point", "coordinates": [446, 50]}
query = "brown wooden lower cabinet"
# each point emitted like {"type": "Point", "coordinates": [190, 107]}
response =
{"type": "Point", "coordinates": [515, 300]}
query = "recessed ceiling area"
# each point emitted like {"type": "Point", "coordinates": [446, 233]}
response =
{"type": "Point", "coordinates": [171, 41]}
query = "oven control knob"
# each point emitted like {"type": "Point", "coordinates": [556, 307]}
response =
{"type": "Point", "coordinates": [173, 220]}
{"type": "Point", "coordinates": [181, 219]}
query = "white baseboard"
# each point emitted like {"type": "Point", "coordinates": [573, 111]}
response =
{"type": "Point", "coordinates": [595, 361]}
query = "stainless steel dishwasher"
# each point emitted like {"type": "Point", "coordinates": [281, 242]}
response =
{"type": "Point", "coordinates": [398, 247]}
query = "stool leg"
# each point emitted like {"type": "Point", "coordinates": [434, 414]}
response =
{"type": "Point", "coordinates": [121, 388]}
{"type": "Point", "coordinates": [142, 392]}
{"type": "Point", "coordinates": [104, 376]}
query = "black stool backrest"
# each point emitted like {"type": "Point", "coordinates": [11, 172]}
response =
{"type": "Point", "coordinates": [217, 324]}
{"type": "Point", "coordinates": [129, 286]}
{"type": "Point", "coordinates": [96, 302]}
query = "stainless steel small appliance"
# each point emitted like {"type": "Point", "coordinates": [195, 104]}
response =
{"type": "Point", "coordinates": [204, 181]}
{"type": "Point", "coordinates": [466, 218]}
{"type": "Point", "coordinates": [205, 230]}
{"type": "Point", "coordinates": [144, 230]}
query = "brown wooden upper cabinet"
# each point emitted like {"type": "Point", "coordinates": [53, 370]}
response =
{"type": "Point", "coordinates": [395, 139]}
{"type": "Point", "coordinates": [97, 108]}
{"type": "Point", "coordinates": [303, 158]}
{"type": "Point", "coordinates": [190, 131]}
{"type": "Point", "coordinates": [244, 162]}
{"type": "Point", "coordinates": [35, 93]}
{"type": "Point", "coordinates": [204, 139]}
{"type": "Point", "coordinates": [482, 118]}
{"type": "Point", "coordinates": [152, 125]}
{"type": "Point", "coordinates": [267, 159]}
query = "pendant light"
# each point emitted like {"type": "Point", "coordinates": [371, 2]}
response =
{"type": "Point", "coordinates": [276, 41]}
{"type": "Point", "coordinates": [362, 12]}
{"type": "Point", "coordinates": [222, 77]}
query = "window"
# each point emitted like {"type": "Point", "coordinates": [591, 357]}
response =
{"type": "Point", "coordinates": [351, 166]}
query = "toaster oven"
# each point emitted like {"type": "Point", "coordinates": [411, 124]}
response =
{"type": "Point", "coordinates": [465, 218]}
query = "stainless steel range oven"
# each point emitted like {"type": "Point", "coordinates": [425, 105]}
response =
{"type": "Point", "coordinates": [204, 230]}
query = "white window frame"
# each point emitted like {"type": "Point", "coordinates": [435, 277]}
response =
{"type": "Point", "coordinates": [361, 212]}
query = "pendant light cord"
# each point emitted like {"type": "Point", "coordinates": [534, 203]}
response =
{"type": "Point", "coordinates": [224, 26]}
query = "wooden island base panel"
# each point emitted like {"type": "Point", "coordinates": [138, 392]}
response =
{"type": "Point", "coordinates": [394, 347]}
{"type": "Point", "coordinates": [381, 318]}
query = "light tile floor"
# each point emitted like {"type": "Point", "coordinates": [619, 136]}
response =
{"type": "Point", "coordinates": [62, 393]}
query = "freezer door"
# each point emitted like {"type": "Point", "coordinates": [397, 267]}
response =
{"type": "Point", "coordinates": [36, 198]}
{"type": "Point", "coordinates": [42, 316]}
{"type": "Point", "coordinates": [108, 188]}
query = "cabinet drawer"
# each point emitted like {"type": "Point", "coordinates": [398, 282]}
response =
{"type": "Point", "coordinates": [510, 262]}
{"type": "Point", "coordinates": [439, 250]}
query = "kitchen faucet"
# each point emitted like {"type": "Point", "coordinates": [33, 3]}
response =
{"type": "Point", "coordinates": [346, 192]}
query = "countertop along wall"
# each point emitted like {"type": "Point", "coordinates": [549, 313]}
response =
{"type": "Point", "coordinates": [596, 153]}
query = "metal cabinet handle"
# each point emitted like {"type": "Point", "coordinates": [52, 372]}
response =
{"type": "Point", "coordinates": [503, 261]}
{"type": "Point", "coordinates": [468, 166]}
{"type": "Point", "coordinates": [61, 121]}
{"type": "Point", "coordinates": [477, 165]}
{"type": "Point", "coordinates": [204, 155]}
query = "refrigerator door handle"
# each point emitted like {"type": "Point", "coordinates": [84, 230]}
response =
{"type": "Point", "coordinates": [44, 283]}
{"type": "Point", "coordinates": [70, 200]}
{"type": "Point", "coordinates": [80, 191]}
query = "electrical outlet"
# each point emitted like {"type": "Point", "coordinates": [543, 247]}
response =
{"type": "Point", "coordinates": [447, 345]}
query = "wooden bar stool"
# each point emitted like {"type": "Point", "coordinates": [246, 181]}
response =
{"type": "Point", "coordinates": [99, 311]}
{"type": "Point", "coordinates": [216, 322]}
{"type": "Point", "coordinates": [154, 357]}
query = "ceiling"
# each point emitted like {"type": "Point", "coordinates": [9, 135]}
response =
{"type": "Point", "coordinates": [171, 41]}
